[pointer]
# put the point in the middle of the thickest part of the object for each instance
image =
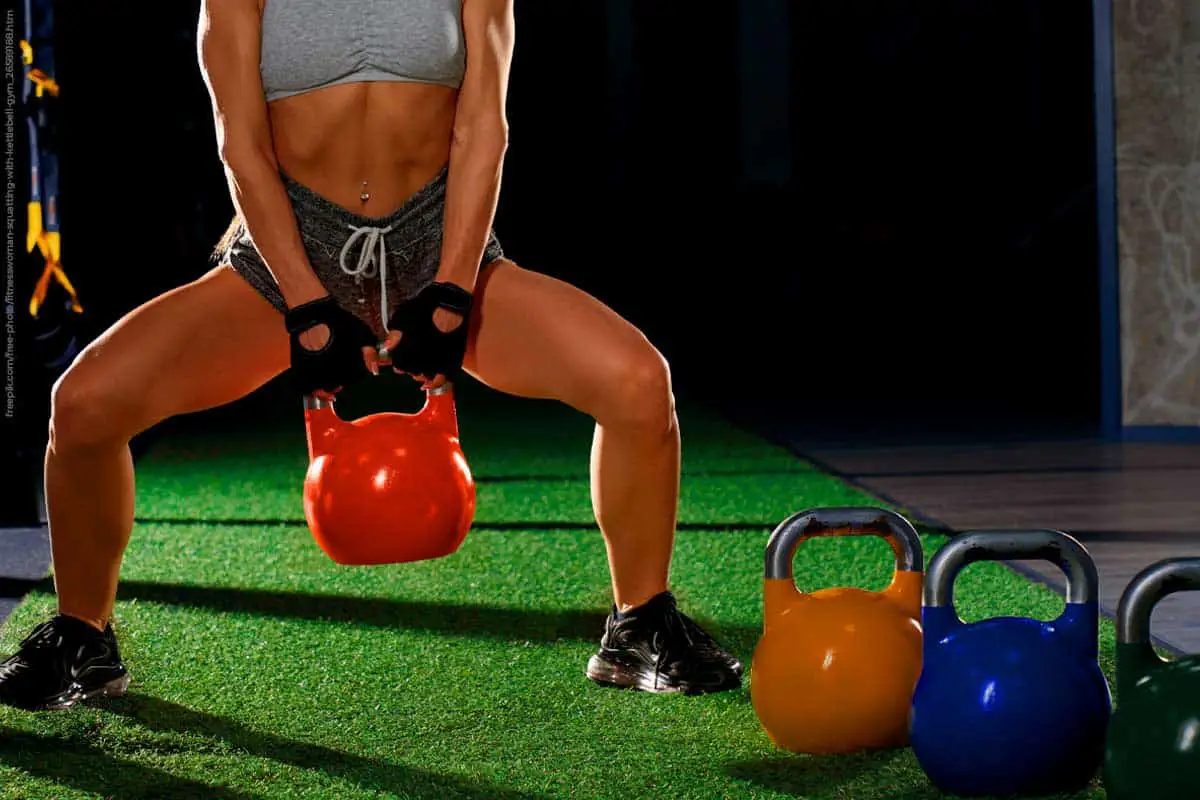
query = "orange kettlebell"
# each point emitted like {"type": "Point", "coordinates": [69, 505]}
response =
{"type": "Point", "coordinates": [389, 487]}
{"type": "Point", "coordinates": [835, 669]}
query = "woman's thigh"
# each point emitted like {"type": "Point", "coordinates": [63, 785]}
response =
{"type": "Point", "coordinates": [195, 347]}
{"type": "Point", "coordinates": [537, 336]}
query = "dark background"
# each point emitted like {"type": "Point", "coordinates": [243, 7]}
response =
{"type": "Point", "coordinates": [863, 215]}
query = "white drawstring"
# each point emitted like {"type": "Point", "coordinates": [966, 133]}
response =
{"type": "Point", "coordinates": [366, 260]}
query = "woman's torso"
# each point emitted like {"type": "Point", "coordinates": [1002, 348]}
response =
{"type": "Point", "coordinates": [362, 90]}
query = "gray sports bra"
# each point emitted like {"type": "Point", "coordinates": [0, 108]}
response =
{"type": "Point", "coordinates": [311, 44]}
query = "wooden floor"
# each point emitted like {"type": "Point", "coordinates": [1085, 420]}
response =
{"type": "Point", "coordinates": [1131, 504]}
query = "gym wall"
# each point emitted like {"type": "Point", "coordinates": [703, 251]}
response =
{"type": "Point", "coordinates": [1157, 65]}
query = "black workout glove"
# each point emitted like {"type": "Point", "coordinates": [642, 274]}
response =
{"type": "Point", "coordinates": [340, 362]}
{"type": "Point", "coordinates": [423, 349]}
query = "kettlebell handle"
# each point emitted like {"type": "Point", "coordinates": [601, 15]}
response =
{"type": "Point", "coordinates": [1145, 591]}
{"type": "Point", "coordinates": [1083, 583]}
{"type": "Point", "coordinates": [847, 521]}
{"type": "Point", "coordinates": [312, 402]}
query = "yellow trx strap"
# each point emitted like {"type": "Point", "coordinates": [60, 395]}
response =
{"type": "Point", "coordinates": [40, 79]}
{"type": "Point", "coordinates": [43, 82]}
{"type": "Point", "coordinates": [35, 233]}
{"type": "Point", "coordinates": [50, 246]}
{"type": "Point", "coordinates": [48, 242]}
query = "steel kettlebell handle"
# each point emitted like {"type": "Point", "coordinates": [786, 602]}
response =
{"type": "Point", "coordinates": [853, 521]}
{"type": "Point", "coordinates": [1083, 583]}
{"type": "Point", "coordinates": [1145, 591]}
{"type": "Point", "coordinates": [312, 402]}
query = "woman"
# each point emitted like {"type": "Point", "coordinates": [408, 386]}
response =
{"type": "Point", "coordinates": [363, 142]}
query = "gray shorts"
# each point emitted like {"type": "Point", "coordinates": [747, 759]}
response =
{"type": "Point", "coordinates": [352, 254]}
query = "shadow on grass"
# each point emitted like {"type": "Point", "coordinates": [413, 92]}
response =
{"type": "Point", "coordinates": [877, 776]}
{"type": "Point", "coordinates": [824, 776]}
{"type": "Point", "coordinates": [478, 525]}
{"type": "Point", "coordinates": [474, 621]}
{"type": "Point", "coordinates": [582, 477]}
{"type": "Point", "coordinates": [88, 768]}
{"type": "Point", "coordinates": [166, 717]}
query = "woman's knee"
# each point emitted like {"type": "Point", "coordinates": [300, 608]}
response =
{"type": "Point", "coordinates": [88, 410]}
{"type": "Point", "coordinates": [640, 394]}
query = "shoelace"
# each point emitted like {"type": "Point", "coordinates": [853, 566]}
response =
{"type": "Point", "coordinates": [368, 265]}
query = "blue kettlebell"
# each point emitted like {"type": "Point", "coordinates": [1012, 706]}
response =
{"type": "Point", "coordinates": [1011, 705]}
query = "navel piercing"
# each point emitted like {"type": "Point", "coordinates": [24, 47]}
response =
{"type": "Point", "coordinates": [365, 196]}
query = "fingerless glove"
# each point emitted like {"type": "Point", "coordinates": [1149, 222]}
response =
{"type": "Point", "coordinates": [340, 362]}
{"type": "Point", "coordinates": [423, 349]}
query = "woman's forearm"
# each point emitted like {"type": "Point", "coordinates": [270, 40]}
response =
{"type": "Point", "coordinates": [266, 210]}
{"type": "Point", "coordinates": [472, 194]}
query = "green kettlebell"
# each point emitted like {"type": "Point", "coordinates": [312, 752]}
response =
{"type": "Point", "coordinates": [1153, 748]}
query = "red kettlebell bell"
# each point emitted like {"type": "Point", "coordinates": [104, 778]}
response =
{"type": "Point", "coordinates": [389, 487]}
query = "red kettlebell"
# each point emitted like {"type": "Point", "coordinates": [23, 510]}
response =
{"type": "Point", "coordinates": [389, 487]}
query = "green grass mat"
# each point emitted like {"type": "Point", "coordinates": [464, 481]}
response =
{"type": "Point", "coordinates": [264, 670]}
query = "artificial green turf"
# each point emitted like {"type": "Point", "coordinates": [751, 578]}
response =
{"type": "Point", "coordinates": [264, 670]}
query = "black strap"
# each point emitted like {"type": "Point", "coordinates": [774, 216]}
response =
{"type": "Point", "coordinates": [451, 297]}
{"type": "Point", "coordinates": [309, 315]}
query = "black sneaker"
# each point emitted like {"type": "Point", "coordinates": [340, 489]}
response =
{"type": "Point", "coordinates": [60, 663]}
{"type": "Point", "coordinates": [658, 648]}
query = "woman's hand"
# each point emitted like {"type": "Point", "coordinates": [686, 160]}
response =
{"type": "Point", "coordinates": [316, 338]}
{"type": "Point", "coordinates": [445, 321]}
{"type": "Point", "coordinates": [427, 334]}
{"type": "Point", "coordinates": [326, 343]}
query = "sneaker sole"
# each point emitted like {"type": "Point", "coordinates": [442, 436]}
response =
{"type": "Point", "coordinates": [606, 673]}
{"type": "Point", "coordinates": [117, 687]}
